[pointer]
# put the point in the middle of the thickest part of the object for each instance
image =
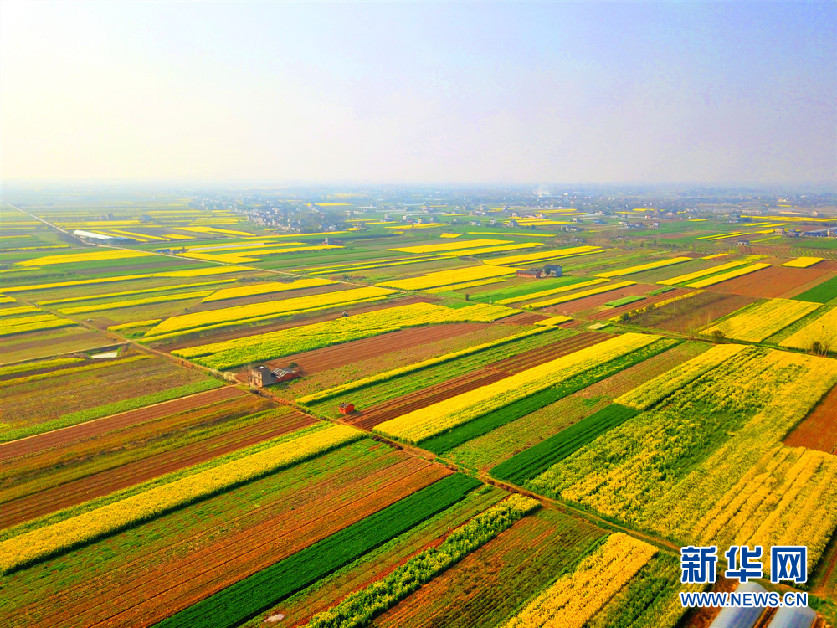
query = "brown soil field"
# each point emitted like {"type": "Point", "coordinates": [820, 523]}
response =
{"type": "Point", "coordinates": [819, 429]}
{"type": "Point", "coordinates": [395, 358]}
{"type": "Point", "coordinates": [616, 311]}
{"type": "Point", "coordinates": [827, 264]}
{"type": "Point", "coordinates": [687, 315]}
{"type": "Point", "coordinates": [488, 585]}
{"type": "Point", "coordinates": [524, 318]}
{"type": "Point", "coordinates": [150, 588]}
{"type": "Point", "coordinates": [39, 401]}
{"type": "Point", "coordinates": [367, 419]}
{"type": "Point", "coordinates": [580, 306]}
{"type": "Point", "coordinates": [402, 340]}
{"type": "Point", "coordinates": [776, 281]}
{"type": "Point", "coordinates": [105, 482]}
{"type": "Point", "coordinates": [97, 427]}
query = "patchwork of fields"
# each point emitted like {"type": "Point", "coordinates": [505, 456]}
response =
{"type": "Point", "coordinates": [537, 421]}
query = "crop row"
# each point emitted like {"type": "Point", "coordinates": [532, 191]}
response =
{"type": "Point", "coordinates": [757, 322]}
{"type": "Point", "coordinates": [22, 324]}
{"type": "Point", "coordinates": [125, 293]}
{"type": "Point", "coordinates": [114, 305]}
{"type": "Point", "coordinates": [520, 291]}
{"type": "Point", "coordinates": [20, 309]}
{"type": "Point", "coordinates": [247, 256]}
{"type": "Point", "coordinates": [269, 309]}
{"type": "Point", "coordinates": [93, 256]}
{"type": "Point", "coordinates": [271, 345]}
{"type": "Point", "coordinates": [440, 417]}
{"type": "Point", "coordinates": [162, 566]}
{"type": "Point", "coordinates": [738, 272]}
{"type": "Point", "coordinates": [452, 246]}
{"type": "Point", "coordinates": [379, 562]}
{"type": "Point", "coordinates": [535, 460]}
{"type": "Point", "coordinates": [651, 392]}
{"type": "Point", "coordinates": [249, 596]}
{"type": "Point", "coordinates": [573, 600]}
{"type": "Point", "coordinates": [134, 456]}
{"type": "Point", "coordinates": [491, 584]}
{"type": "Point", "coordinates": [655, 305]}
{"type": "Point", "coordinates": [651, 599]}
{"type": "Point", "coordinates": [417, 366]}
{"type": "Point", "coordinates": [625, 300]}
{"type": "Point", "coordinates": [23, 367]}
{"type": "Point", "coordinates": [194, 272]}
{"type": "Point", "coordinates": [702, 273]}
{"type": "Point", "coordinates": [526, 258]}
{"type": "Point", "coordinates": [544, 293]}
{"type": "Point", "coordinates": [91, 366]}
{"type": "Point", "coordinates": [665, 468]}
{"type": "Point", "coordinates": [630, 270]}
{"type": "Point", "coordinates": [786, 498]}
{"type": "Point", "coordinates": [449, 277]}
{"type": "Point", "coordinates": [821, 293]}
{"type": "Point", "coordinates": [397, 396]}
{"type": "Point", "coordinates": [29, 547]}
{"type": "Point", "coordinates": [265, 288]}
{"type": "Point", "coordinates": [359, 608]}
{"type": "Point", "coordinates": [583, 293]}
{"type": "Point", "coordinates": [518, 409]}
{"type": "Point", "coordinates": [820, 335]}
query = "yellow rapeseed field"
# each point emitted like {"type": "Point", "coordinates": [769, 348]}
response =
{"type": "Point", "coordinates": [448, 277]}
{"type": "Point", "coordinates": [802, 262]}
{"type": "Point", "coordinates": [738, 272]}
{"type": "Point", "coordinates": [757, 322]}
{"type": "Point", "coordinates": [702, 273]}
{"type": "Point", "coordinates": [822, 330]}
{"type": "Point", "coordinates": [583, 293]}
{"type": "Point", "coordinates": [196, 272]}
{"type": "Point", "coordinates": [268, 309]}
{"type": "Point", "coordinates": [647, 394]}
{"type": "Point", "coordinates": [265, 288]}
{"type": "Point", "coordinates": [451, 246]}
{"type": "Point", "coordinates": [573, 599]}
{"type": "Point", "coordinates": [92, 256]}
{"type": "Point", "coordinates": [365, 381]}
{"type": "Point", "coordinates": [544, 293]}
{"type": "Point", "coordinates": [20, 324]}
{"type": "Point", "coordinates": [444, 415]}
{"type": "Point", "coordinates": [114, 305]}
{"type": "Point", "coordinates": [32, 545]}
{"type": "Point", "coordinates": [542, 255]}
{"type": "Point", "coordinates": [630, 270]}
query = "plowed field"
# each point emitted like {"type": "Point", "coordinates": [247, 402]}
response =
{"type": "Point", "coordinates": [91, 429]}
{"type": "Point", "coordinates": [776, 281]}
{"type": "Point", "coordinates": [819, 429]}
{"type": "Point", "coordinates": [402, 340]}
{"type": "Point", "coordinates": [184, 566]}
{"type": "Point", "coordinates": [79, 490]}
{"type": "Point", "coordinates": [368, 419]}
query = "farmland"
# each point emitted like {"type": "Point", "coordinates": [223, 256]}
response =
{"type": "Point", "coordinates": [545, 407]}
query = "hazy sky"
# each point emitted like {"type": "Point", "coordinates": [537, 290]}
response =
{"type": "Point", "coordinates": [564, 92]}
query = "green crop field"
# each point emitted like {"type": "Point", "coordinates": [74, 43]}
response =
{"type": "Point", "coordinates": [444, 447]}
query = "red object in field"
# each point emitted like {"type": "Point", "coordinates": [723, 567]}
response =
{"type": "Point", "coordinates": [347, 408]}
